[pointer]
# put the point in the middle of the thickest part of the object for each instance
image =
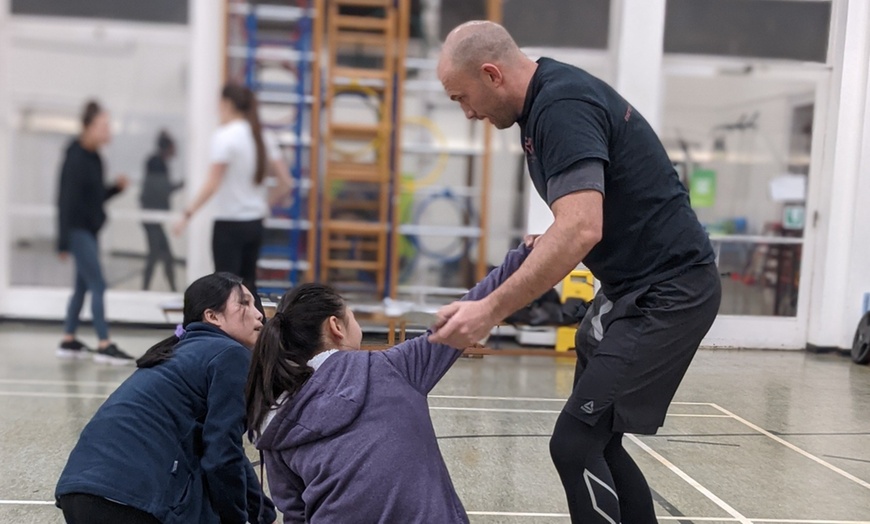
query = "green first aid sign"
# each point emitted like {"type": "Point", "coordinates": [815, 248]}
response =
{"type": "Point", "coordinates": [702, 188]}
{"type": "Point", "coordinates": [793, 217]}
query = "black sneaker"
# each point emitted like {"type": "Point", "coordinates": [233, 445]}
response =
{"type": "Point", "coordinates": [73, 349]}
{"type": "Point", "coordinates": [114, 356]}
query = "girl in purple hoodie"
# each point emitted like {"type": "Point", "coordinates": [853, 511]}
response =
{"type": "Point", "coordinates": [346, 435]}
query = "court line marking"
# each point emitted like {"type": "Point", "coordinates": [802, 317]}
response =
{"type": "Point", "coordinates": [37, 382]}
{"type": "Point", "coordinates": [807, 454]}
{"type": "Point", "coordinates": [805, 521]}
{"type": "Point", "coordinates": [565, 516]}
{"type": "Point", "coordinates": [672, 518]}
{"type": "Point", "coordinates": [692, 482]}
{"type": "Point", "coordinates": [52, 394]}
{"type": "Point", "coordinates": [541, 399]}
{"type": "Point", "coordinates": [48, 394]}
{"type": "Point", "coordinates": [555, 515]}
{"type": "Point", "coordinates": [550, 411]}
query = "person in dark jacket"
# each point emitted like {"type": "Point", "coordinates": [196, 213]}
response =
{"type": "Point", "coordinates": [166, 446]}
{"type": "Point", "coordinates": [81, 215]}
{"type": "Point", "coordinates": [346, 435]}
{"type": "Point", "coordinates": [156, 190]}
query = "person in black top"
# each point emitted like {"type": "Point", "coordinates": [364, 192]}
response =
{"type": "Point", "coordinates": [81, 215]}
{"type": "Point", "coordinates": [619, 208]}
{"type": "Point", "coordinates": [156, 190]}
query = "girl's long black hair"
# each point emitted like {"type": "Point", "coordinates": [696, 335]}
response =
{"type": "Point", "coordinates": [209, 292]}
{"type": "Point", "coordinates": [287, 342]}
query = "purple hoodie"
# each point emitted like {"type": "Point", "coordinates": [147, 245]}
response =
{"type": "Point", "coordinates": [356, 443]}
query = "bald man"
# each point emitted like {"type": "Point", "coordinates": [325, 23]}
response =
{"type": "Point", "coordinates": [619, 208]}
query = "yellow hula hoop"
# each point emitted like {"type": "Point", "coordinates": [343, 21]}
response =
{"type": "Point", "coordinates": [355, 154]}
{"type": "Point", "coordinates": [440, 167]}
{"type": "Point", "coordinates": [429, 178]}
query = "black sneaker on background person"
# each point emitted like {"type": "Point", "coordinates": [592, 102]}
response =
{"type": "Point", "coordinates": [111, 354]}
{"type": "Point", "coordinates": [73, 349]}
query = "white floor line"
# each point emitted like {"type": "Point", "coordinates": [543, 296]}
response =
{"type": "Point", "coordinates": [807, 454]}
{"type": "Point", "coordinates": [58, 394]}
{"type": "Point", "coordinates": [692, 482]}
{"type": "Point", "coordinates": [51, 394]}
{"type": "Point", "coordinates": [699, 519]}
{"type": "Point", "coordinates": [518, 399]}
{"type": "Point", "coordinates": [557, 515]}
{"type": "Point", "coordinates": [518, 514]}
{"type": "Point", "coordinates": [804, 521]}
{"type": "Point", "coordinates": [35, 382]}
{"type": "Point", "coordinates": [495, 410]}
{"type": "Point", "coordinates": [566, 516]}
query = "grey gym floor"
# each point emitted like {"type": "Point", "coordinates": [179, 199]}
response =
{"type": "Point", "coordinates": [753, 436]}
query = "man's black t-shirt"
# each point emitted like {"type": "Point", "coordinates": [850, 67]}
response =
{"type": "Point", "coordinates": [650, 232]}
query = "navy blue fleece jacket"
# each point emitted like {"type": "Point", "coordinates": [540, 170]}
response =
{"type": "Point", "coordinates": [168, 441]}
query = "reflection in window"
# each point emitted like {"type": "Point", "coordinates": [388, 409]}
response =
{"type": "Point", "coordinates": [128, 242]}
{"type": "Point", "coordinates": [742, 146]}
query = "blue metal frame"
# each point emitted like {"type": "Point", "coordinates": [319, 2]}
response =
{"type": "Point", "coordinates": [302, 43]}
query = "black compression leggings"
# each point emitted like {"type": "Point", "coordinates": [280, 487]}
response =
{"type": "Point", "coordinates": [601, 481]}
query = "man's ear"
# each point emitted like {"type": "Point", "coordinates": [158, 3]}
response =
{"type": "Point", "coordinates": [492, 74]}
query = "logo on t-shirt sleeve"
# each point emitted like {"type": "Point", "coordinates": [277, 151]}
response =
{"type": "Point", "coordinates": [529, 146]}
{"type": "Point", "coordinates": [628, 113]}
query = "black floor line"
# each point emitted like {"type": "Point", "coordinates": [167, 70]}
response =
{"type": "Point", "coordinates": [702, 442]}
{"type": "Point", "coordinates": [847, 458]}
{"type": "Point", "coordinates": [667, 506]}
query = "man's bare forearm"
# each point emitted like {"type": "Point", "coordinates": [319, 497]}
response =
{"type": "Point", "coordinates": [556, 254]}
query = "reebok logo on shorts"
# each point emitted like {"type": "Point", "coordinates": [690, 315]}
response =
{"type": "Point", "coordinates": [588, 407]}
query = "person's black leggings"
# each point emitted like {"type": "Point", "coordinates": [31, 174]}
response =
{"type": "Point", "coordinates": [601, 481]}
{"type": "Point", "coordinates": [236, 247]}
{"type": "Point", "coordinates": [81, 508]}
{"type": "Point", "coordinates": [159, 250]}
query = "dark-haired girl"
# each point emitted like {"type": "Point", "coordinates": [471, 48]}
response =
{"type": "Point", "coordinates": [81, 197]}
{"type": "Point", "coordinates": [242, 157]}
{"type": "Point", "coordinates": [346, 434]}
{"type": "Point", "coordinates": [166, 446]}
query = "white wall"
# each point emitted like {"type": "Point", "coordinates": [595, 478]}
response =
{"type": "Point", "coordinates": [4, 141]}
{"type": "Point", "coordinates": [841, 274]}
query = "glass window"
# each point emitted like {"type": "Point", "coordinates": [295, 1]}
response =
{"type": "Point", "coordinates": [742, 146]}
{"type": "Point", "coordinates": [782, 29]}
{"type": "Point", "coordinates": [569, 23]}
{"type": "Point", "coordinates": [137, 250]}
{"type": "Point", "coordinates": [167, 11]}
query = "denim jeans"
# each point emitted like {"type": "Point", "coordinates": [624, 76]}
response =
{"type": "Point", "coordinates": [89, 277]}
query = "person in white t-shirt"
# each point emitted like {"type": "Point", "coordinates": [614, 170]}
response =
{"type": "Point", "coordinates": [242, 157]}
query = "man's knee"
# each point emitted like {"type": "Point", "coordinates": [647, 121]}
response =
{"type": "Point", "coordinates": [571, 442]}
